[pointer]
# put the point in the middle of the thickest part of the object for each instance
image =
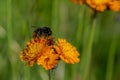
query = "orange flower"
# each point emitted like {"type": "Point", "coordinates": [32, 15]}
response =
{"type": "Point", "coordinates": [101, 5]}
{"type": "Point", "coordinates": [66, 51]}
{"type": "Point", "coordinates": [37, 49]}
{"type": "Point", "coordinates": [114, 5]}
{"type": "Point", "coordinates": [43, 52]}
{"type": "Point", "coordinates": [49, 59]}
{"type": "Point", "coordinates": [31, 52]}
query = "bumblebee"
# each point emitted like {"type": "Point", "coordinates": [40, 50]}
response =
{"type": "Point", "coordinates": [44, 31]}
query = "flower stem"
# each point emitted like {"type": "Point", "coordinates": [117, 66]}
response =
{"type": "Point", "coordinates": [51, 74]}
{"type": "Point", "coordinates": [111, 57]}
{"type": "Point", "coordinates": [9, 36]}
{"type": "Point", "coordinates": [80, 26]}
{"type": "Point", "coordinates": [110, 63]}
{"type": "Point", "coordinates": [89, 47]}
{"type": "Point", "coordinates": [9, 23]}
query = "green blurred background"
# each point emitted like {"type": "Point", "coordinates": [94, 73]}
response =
{"type": "Point", "coordinates": [95, 35]}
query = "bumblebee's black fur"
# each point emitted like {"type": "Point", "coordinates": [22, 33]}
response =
{"type": "Point", "coordinates": [44, 31]}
